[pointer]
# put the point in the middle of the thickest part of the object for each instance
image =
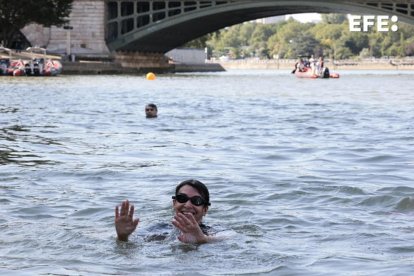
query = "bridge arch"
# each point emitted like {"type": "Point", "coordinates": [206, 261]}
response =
{"type": "Point", "coordinates": [162, 25]}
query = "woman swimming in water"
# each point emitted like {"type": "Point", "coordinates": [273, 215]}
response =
{"type": "Point", "coordinates": [190, 202]}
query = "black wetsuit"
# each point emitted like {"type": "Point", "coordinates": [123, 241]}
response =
{"type": "Point", "coordinates": [162, 231]}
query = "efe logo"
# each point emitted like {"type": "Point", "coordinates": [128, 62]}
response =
{"type": "Point", "coordinates": [368, 21]}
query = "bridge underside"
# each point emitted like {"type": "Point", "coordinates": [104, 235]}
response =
{"type": "Point", "coordinates": [159, 26]}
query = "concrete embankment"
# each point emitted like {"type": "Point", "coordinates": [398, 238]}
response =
{"type": "Point", "coordinates": [91, 68]}
{"type": "Point", "coordinates": [96, 68]}
{"type": "Point", "coordinates": [205, 67]}
{"type": "Point", "coordinates": [119, 63]}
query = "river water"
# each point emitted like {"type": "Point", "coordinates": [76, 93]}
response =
{"type": "Point", "coordinates": [307, 177]}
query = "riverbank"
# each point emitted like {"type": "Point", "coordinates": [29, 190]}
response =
{"type": "Point", "coordinates": [108, 67]}
{"type": "Point", "coordinates": [274, 64]}
{"type": "Point", "coordinates": [119, 63]}
{"type": "Point", "coordinates": [138, 63]}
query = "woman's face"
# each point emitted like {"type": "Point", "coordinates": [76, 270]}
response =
{"type": "Point", "coordinates": [187, 207]}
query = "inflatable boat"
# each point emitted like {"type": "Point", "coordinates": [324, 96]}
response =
{"type": "Point", "coordinates": [307, 73]}
{"type": "Point", "coordinates": [30, 63]}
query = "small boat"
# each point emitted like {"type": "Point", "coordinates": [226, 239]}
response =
{"type": "Point", "coordinates": [9, 66]}
{"type": "Point", "coordinates": [42, 65]}
{"type": "Point", "coordinates": [307, 73]}
{"type": "Point", "coordinates": [34, 65]}
{"type": "Point", "coordinates": [4, 60]}
{"type": "Point", "coordinates": [16, 68]}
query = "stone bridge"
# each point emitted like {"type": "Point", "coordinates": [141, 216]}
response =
{"type": "Point", "coordinates": [105, 26]}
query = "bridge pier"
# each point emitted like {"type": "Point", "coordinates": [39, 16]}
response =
{"type": "Point", "coordinates": [87, 36]}
{"type": "Point", "coordinates": [88, 42]}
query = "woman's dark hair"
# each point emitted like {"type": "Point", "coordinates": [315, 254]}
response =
{"type": "Point", "coordinates": [199, 186]}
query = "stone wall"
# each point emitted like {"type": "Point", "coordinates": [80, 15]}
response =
{"type": "Point", "coordinates": [142, 61]}
{"type": "Point", "coordinates": [87, 36]}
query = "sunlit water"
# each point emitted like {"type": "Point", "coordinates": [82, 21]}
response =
{"type": "Point", "coordinates": [307, 177]}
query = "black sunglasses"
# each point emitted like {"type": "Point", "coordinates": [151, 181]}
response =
{"type": "Point", "coordinates": [195, 200]}
{"type": "Point", "coordinates": [149, 109]}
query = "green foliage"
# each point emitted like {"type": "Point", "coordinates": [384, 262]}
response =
{"type": "Point", "coordinates": [355, 41]}
{"type": "Point", "coordinates": [304, 44]}
{"type": "Point", "coordinates": [333, 18]}
{"type": "Point", "coordinates": [285, 37]}
{"type": "Point", "coordinates": [16, 14]}
{"type": "Point", "coordinates": [330, 37]}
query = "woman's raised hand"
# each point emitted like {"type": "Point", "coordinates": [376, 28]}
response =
{"type": "Point", "coordinates": [125, 223]}
{"type": "Point", "coordinates": [189, 228]}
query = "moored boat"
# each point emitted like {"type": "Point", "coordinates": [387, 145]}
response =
{"type": "Point", "coordinates": [4, 60]}
{"type": "Point", "coordinates": [52, 67]}
{"type": "Point", "coordinates": [41, 65]}
{"type": "Point", "coordinates": [16, 68]}
{"type": "Point", "coordinates": [30, 63]}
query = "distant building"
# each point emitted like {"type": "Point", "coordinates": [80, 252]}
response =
{"type": "Point", "coordinates": [270, 20]}
{"type": "Point", "coordinates": [301, 17]}
{"type": "Point", "coordinates": [305, 17]}
{"type": "Point", "coordinates": [187, 56]}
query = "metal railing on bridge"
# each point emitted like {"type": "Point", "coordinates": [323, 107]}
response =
{"type": "Point", "coordinates": [126, 16]}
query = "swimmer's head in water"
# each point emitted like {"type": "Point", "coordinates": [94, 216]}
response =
{"type": "Point", "coordinates": [151, 110]}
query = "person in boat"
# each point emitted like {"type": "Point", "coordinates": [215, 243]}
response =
{"type": "Point", "coordinates": [320, 66]}
{"type": "Point", "coordinates": [312, 64]}
{"type": "Point", "coordinates": [151, 111]}
{"type": "Point", "coordinates": [299, 65]}
{"type": "Point", "coordinates": [190, 203]}
{"type": "Point", "coordinates": [306, 63]}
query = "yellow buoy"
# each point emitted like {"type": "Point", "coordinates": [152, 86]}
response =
{"type": "Point", "coordinates": [150, 76]}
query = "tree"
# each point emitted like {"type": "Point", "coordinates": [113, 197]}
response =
{"type": "Point", "coordinates": [409, 48]}
{"type": "Point", "coordinates": [225, 40]}
{"type": "Point", "coordinates": [259, 38]}
{"type": "Point", "coordinates": [333, 18]}
{"type": "Point", "coordinates": [289, 39]}
{"type": "Point", "coordinates": [303, 45]}
{"type": "Point", "coordinates": [282, 41]}
{"type": "Point", "coordinates": [327, 35]}
{"type": "Point", "coordinates": [16, 14]}
{"type": "Point", "coordinates": [355, 42]}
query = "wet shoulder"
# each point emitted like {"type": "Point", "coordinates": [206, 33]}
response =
{"type": "Point", "coordinates": [164, 231]}
{"type": "Point", "coordinates": [157, 232]}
